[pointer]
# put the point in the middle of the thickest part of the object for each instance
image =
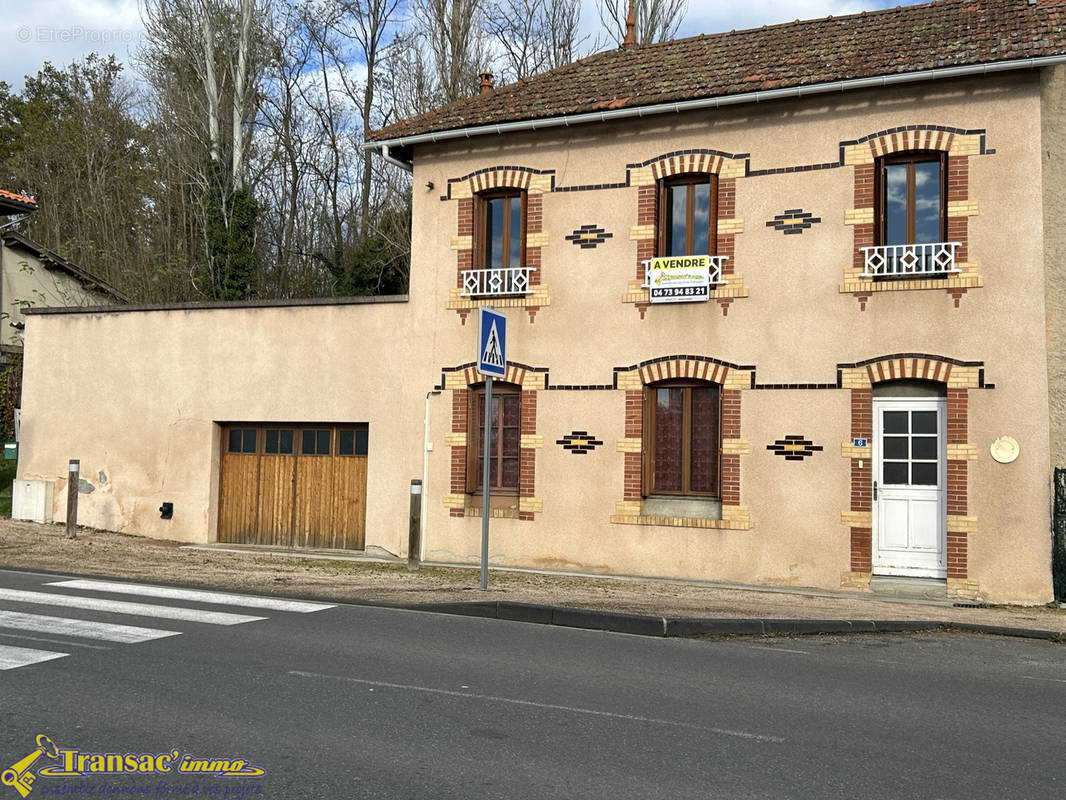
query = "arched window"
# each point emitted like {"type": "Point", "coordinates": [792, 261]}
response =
{"type": "Point", "coordinates": [683, 439]}
{"type": "Point", "coordinates": [688, 215]}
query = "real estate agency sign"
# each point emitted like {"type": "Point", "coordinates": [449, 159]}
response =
{"type": "Point", "coordinates": [678, 279]}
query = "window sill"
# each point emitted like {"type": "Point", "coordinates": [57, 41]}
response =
{"type": "Point", "coordinates": [536, 298]}
{"type": "Point", "coordinates": [967, 279]}
{"type": "Point", "coordinates": [733, 518]}
{"type": "Point", "coordinates": [684, 522]}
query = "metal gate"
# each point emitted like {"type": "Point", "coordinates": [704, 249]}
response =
{"type": "Point", "coordinates": [298, 485]}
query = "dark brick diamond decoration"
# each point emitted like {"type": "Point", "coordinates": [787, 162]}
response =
{"type": "Point", "coordinates": [794, 220]}
{"type": "Point", "coordinates": [794, 448]}
{"type": "Point", "coordinates": [579, 442]}
{"type": "Point", "coordinates": [588, 236]}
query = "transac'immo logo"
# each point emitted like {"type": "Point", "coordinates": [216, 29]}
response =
{"type": "Point", "coordinates": [75, 763]}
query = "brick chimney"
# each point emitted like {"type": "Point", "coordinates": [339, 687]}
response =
{"type": "Point", "coordinates": [486, 82]}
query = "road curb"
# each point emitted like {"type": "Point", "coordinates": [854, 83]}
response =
{"type": "Point", "coordinates": [679, 627]}
{"type": "Point", "coordinates": [611, 621]}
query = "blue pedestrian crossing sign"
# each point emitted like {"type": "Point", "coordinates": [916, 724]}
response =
{"type": "Point", "coordinates": [492, 343]}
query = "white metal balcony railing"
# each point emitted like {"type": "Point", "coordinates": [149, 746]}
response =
{"type": "Point", "coordinates": [716, 263]}
{"type": "Point", "coordinates": [496, 282]}
{"type": "Point", "coordinates": [904, 260]}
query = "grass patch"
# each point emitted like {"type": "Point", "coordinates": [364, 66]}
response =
{"type": "Point", "coordinates": [7, 476]}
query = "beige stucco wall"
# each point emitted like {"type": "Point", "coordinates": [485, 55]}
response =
{"type": "Point", "coordinates": [795, 327]}
{"type": "Point", "coordinates": [140, 402]}
{"type": "Point", "coordinates": [25, 282]}
{"type": "Point", "coordinates": [1053, 151]}
{"type": "Point", "coordinates": [148, 387]}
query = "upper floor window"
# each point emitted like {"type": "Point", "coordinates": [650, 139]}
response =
{"type": "Point", "coordinates": [910, 234]}
{"type": "Point", "coordinates": [688, 216]}
{"type": "Point", "coordinates": [500, 246]}
{"type": "Point", "coordinates": [683, 439]}
{"type": "Point", "coordinates": [912, 198]}
{"type": "Point", "coordinates": [503, 230]}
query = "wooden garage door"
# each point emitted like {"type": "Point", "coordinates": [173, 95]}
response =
{"type": "Point", "coordinates": [294, 485]}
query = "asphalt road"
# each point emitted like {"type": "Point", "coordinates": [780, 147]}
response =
{"type": "Point", "coordinates": [360, 702]}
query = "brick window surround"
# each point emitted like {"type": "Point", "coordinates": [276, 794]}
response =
{"type": "Point", "coordinates": [461, 381]}
{"type": "Point", "coordinates": [535, 184]}
{"type": "Point", "coordinates": [647, 177]}
{"type": "Point", "coordinates": [958, 377]}
{"type": "Point", "coordinates": [863, 155]}
{"type": "Point", "coordinates": [732, 380]}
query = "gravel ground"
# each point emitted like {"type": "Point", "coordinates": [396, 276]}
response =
{"type": "Point", "coordinates": [29, 546]}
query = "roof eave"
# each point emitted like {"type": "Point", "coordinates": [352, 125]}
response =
{"type": "Point", "coordinates": [940, 73]}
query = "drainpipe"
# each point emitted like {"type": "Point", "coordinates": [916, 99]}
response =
{"type": "Point", "coordinates": [426, 445]}
{"type": "Point", "coordinates": [395, 161]}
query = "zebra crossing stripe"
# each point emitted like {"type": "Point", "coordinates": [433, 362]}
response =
{"type": "Point", "coordinates": [120, 607]}
{"type": "Point", "coordinates": [11, 657]}
{"type": "Point", "coordinates": [195, 595]}
{"type": "Point", "coordinates": [62, 626]}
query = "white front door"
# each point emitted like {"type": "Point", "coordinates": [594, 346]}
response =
{"type": "Point", "coordinates": [909, 513]}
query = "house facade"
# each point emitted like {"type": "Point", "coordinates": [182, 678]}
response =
{"type": "Point", "coordinates": [782, 309]}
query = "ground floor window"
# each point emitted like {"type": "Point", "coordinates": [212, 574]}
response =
{"type": "Point", "coordinates": [504, 421]}
{"type": "Point", "coordinates": [683, 440]}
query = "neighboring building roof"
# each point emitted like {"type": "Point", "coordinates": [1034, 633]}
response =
{"type": "Point", "coordinates": [11, 203]}
{"type": "Point", "coordinates": [897, 41]}
{"type": "Point", "coordinates": [53, 260]}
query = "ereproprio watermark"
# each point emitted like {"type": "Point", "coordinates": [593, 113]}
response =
{"type": "Point", "coordinates": [73, 33]}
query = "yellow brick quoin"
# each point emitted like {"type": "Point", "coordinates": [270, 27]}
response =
{"type": "Point", "coordinates": [962, 452]}
{"type": "Point", "coordinates": [736, 447]}
{"type": "Point", "coordinates": [962, 208]}
{"type": "Point", "coordinates": [957, 524]}
{"type": "Point", "coordinates": [455, 439]}
{"type": "Point", "coordinates": [735, 225]}
{"type": "Point", "coordinates": [531, 441]}
{"type": "Point", "coordinates": [858, 216]}
{"type": "Point", "coordinates": [641, 232]}
{"type": "Point", "coordinates": [454, 501]}
{"type": "Point", "coordinates": [629, 445]}
{"type": "Point", "coordinates": [462, 242]}
{"type": "Point", "coordinates": [856, 519]}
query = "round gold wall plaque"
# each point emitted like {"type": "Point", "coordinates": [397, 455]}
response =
{"type": "Point", "coordinates": [1004, 449]}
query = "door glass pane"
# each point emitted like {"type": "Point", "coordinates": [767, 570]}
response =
{"type": "Point", "coordinates": [895, 204]}
{"type": "Point", "coordinates": [923, 474]}
{"type": "Point", "coordinates": [924, 447]}
{"type": "Point", "coordinates": [923, 421]}
{"type": "Point", "coordinates": [701, 218]}
{"type": "Point", "coordinates": [668, 411]}
{"type": "Point", "coordinates": [271, 445]}
{"type": "Point", "coordinates": [927, 202]}
{"type": "Point", "coordinates": [895, 421]}
{"type": "Point", "coordinates": [307, 443]}
{"type": "Point", "coordinates": [323, 442]}
{"type": "Point", "coordinates": [895, 446]}
{"type": "Point", "coordinates": [494, 232]}
{"type": "Point", "coordinates": [515, 232]}
{"type": "Point", "coordinates": [704, 438]}
{"type": "Point", "coordinates": [676, 219]}
{"type": "Point", "coordinates": [362, 439]}
{"type": "Point", "coordinates": [895, 472]}
{"type": "Point", "coordinates": [234, 440]}
{"type": "Point", "coordinates": [346, 443]}
{"type": "Point", "coordinates": [249, 440]}
{"type": "Point", "coordinates": [285, 442]}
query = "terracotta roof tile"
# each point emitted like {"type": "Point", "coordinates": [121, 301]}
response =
{"type": "Point", "coordinates": [907, 39]}
{"type": "Point", "coordinates": [18, 201]}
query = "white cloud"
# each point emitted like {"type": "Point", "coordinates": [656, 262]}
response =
{"type": "Point", "coordinates": [62, 31]}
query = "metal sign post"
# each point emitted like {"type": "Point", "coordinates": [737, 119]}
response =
{"type": "Point", "coordinates": [491, 362]}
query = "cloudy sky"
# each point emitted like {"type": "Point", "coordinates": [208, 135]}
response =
{"type": "Point", "coordinates": [62, 31]}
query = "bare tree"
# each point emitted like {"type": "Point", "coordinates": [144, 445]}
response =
{"type": "Point", "coordinates": [453, 31]}
{"type": "Point", "coordinates": [533, 35]}
{"type": "Point", "coordinates": [656, 20]}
